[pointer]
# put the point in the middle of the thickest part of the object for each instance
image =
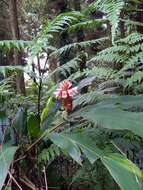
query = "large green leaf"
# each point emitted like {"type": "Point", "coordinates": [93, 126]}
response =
{"type": "Point", "coordinates": [117, 113]}
{"type": "Point", "coordinates": [20, 121]}
{"type": "Point", "coordinates": [6, 157]}
{"type": "Point", "coordinates": [87, 146]}
{"type": "Point", "coordinates": [67, 144]}
{"type": "Point", "coordinates": [73, 144]}
{"type": "Point", "coordinates": [3, 124]}
{"type": "Point", "coordinates": [33, 126]}
{"type": "Point", "coordinates": [49, 113]}
{"type": "Point", "coordinates": [123, 171]}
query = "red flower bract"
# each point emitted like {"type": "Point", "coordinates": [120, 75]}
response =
{"type": "Point", "coordinates": [65, 92]}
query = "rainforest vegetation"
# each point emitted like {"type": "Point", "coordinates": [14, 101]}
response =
{"type": "Point", "coordinates": [71, 94]}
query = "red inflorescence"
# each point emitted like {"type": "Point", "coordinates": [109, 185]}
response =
{"type": "Point", "coordinates": [64, 93]}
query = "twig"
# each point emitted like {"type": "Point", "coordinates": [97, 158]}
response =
{"type": "Point", "coordinates": [45, 64]}
{"type": "Point", "coordinates": [42, 136]}
{"type": "Point", "coordinates": [14, 180]}
{"type": "Point", "coordinates": [40, 88]}
{"type": "Point", "coordinates": [28, 183]}
{"type": "Point", "coordinates": [45, 176]}
{"type": "Point", "coordinates": [39, 99]}
{"type": "Point", "coordinates": [21, 158]}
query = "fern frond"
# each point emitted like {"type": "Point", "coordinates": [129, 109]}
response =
{"type": "Point", "coordinates": [3, 69]}
{"type": "Point", "coordinates": [131, 22]}
{"type": "Point", "coordinates": [87, 98]}
{"type": "Point", "coordinates": [127, 52]}
{"type": "Point", "coordinates": [89, 24]}
{"type": "Point", "coordinates": [49, 154]}
{"type": "Point", "coordinates": [14, 44]}
{"type": "Point", "coordinates": [82, 44]}
{"type": "Point", "coordinates": [109, 58]}
{"type": "Point", "coordinates": [57, 25]}
{"type": "Point", "coordinates": [132, 39]}
{"type": "Point", "coordinates": [112, 9]}
{"type": "Point", "coordinates": [61, 21]}
{"type": "Point", "coordinates": [135, 78]}
{"type": "Point", "coordinates": [100, 72]}
{"type": "Point", "coordinates": [75, 76]}
{"type": "Point", "coordinates": [69, 67]}
{"type": "Point", "coordinates": [133, 61]}
{"type": "Point", "coordinates": [6, 87]}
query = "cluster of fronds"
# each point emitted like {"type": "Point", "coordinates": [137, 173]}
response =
{"type": "Point", "coordinates": [127, 54]}
{"type": "Point", "coordinates": [111, 9]}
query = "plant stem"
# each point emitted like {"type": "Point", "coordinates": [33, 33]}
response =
{"type": "Point", "coordinates": [43, 135]}
{"type": "Point", "coordinates": [45, 176]}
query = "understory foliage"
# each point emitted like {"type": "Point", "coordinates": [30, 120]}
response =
{"type": "Point", "coordinates": [98, 144]}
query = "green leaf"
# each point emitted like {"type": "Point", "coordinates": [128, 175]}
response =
{"type": "Point", "coordinates": [87, 146]}
{"type": "Point", "coordinates": [33, 126]}
{"type": "Point", "coordinates": [73, 144]}
{"type": "Point", "coordinates": [20, 121]}
{"type": "Point", "coordinates": [123, 171]}
{"type": "Point", "coordinates": [3, 124]}
{"type": "Point", "coordinates": [118, 113]}
{"type": "Point", "coordinates": [46, 109]}
{"type": "Point", "coordinates": [6, 157]}
{"type": "Point", "coordinates": [67, 144]}
{"type": "Point", "coordinates": [49, 113]}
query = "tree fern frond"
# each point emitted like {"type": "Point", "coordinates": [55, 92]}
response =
{"type": "Point", "coordinates": [127, 51]}
{"type": "Point", "coordinates": [75, 76]}
{"type": "Point", "coordinates": [133, 60]}
{"type": "Point", "coordinates": [87, 98]}
{"type": "Point", "coordinates": [131, 22]}
{"type": "Point", "coordinates": [14, 44]}
{"type": "Point", "coordinates": [82, 44]}
{"type": "Point", "coordinates": [132, 39]}
{"type": "Point", "coordinates": [57, 25]}
{"type": "Point", "coordinates": [69, 67]}
{"type": "Point", "coordinates": [135, 48]}
{"type": "Point", "coordinates": [134, 79]}
{"type": "Point", "coordinates": [100, 72]}
{"type": "Point", "coordinates": [109, 58]}
{"type": "Point", "coordinates": [60, 22]}
{"type": "Point", "coordinates": [86, 24]}
{"type": "Point", "coordinates": [112, 9]}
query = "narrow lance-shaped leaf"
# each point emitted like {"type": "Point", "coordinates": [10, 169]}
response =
{"type": "Point", "coordinates": [6, 157]}
{"type": "Point", "coordinates": [124, 172]}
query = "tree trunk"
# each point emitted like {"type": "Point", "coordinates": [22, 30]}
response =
{"type": "Point", "coordinates": [4, 31]}
{"type": "Point", "coordinates": [80, 33]}
{"type": "Point", "coordinates": [122, 25]}
{"type": "Point", "coordinates": [20, 84]}
{"type": "Point", "coordinates": [140, 18]}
